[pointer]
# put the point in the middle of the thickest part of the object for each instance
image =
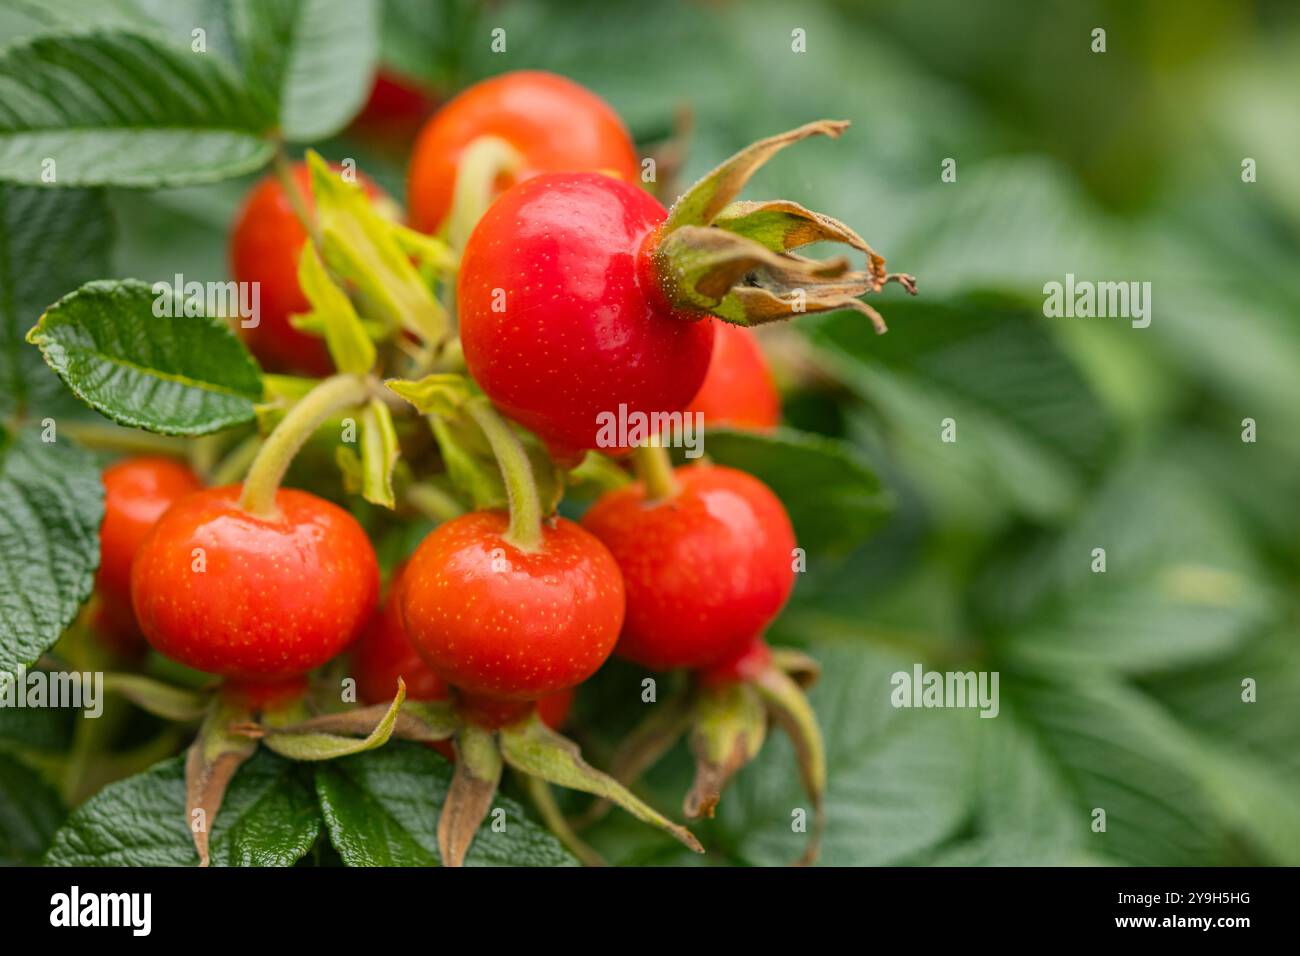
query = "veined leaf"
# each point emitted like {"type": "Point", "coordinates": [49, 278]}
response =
{"type": "Point", "coordinates": [268, 818]}
{"type": "Point", "coordinates": [175, 374]}
{"type": "Point", "coordinates": [315, 58]}
{"type": "Point", "coordinates": [51, 503]}
{"type": "Point", "coordinates": [381, 809]}
{"type": "Point", "coordinates": [115, 107]}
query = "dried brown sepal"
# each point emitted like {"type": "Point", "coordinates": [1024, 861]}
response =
{"type": "Point", "coordinates": [700, 204]}
{"type": "Point", "coordinates": [791, 710]}
{"type": "Point", "coordinates": [728, 732]}
{"type": "Point", "coordinates": [533, 748]}
{"type": "Point", "coordinates": [782, 225]}
{"type": "Point", "coordinates": [736, 260]}
{"type": "Point", "coordinates": [754, 305]}
{"type": "Point", "coordinates": [210, 765]}
{"type": "Point", "coordinates": [473, 785]}
{"type": "Point", "coordinates": [742, 281]}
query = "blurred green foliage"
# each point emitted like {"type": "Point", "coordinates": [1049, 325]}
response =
{"type": "Point", "coordinates": [1120, 691]}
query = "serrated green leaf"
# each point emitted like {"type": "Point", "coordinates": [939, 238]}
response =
{"type": "Point", "coordinates": [1179, 584]}
{"type": "Point", "coordinates": [181, 375]}
{"type": "Point", "coordinates": [30, 811]}
{"type": "Point", "coordinates": [43, 729]}
{"type": "Point", "coordinates": [834, 498]}
{"type": "Point", "coordinates": [381, 809]}
{"type": "Point", "coordinates": [315, 58]}
{"type": "Point", "coordinates": [268, 818]}
{"type": "Point", "coordinates": [1169, 799]}
{"type": "Point", "coordinates": [51, 503]}
{"type": "Point", "coordinates": [50, 241]}
{"type": "Point", "coordinates": [1029, 431]}
{"type": "Point", "coordinates": [113, 107]}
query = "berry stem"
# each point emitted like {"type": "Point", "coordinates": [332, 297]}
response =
{"type": "Point", "coordinates": [525, 531]}
{"type": "Point", "coordinates": [297, 201]}
{"type": "Point", "coordinates": [273, 458]}
{"type": "Point", "coordinates": [655, 468]}
{"type": "Point", "coordinates": [482, 163]}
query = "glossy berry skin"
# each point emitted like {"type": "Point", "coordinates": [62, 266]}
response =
{"type": "Point", "coordinates": [584, 326]}
{"type": "Point", "coordinates": [263, 599]}
{"type": "Point", "coordinates": [706, 571]}
{"type": "Point", "coordinates": [385, 652]}
{"type": "Point", "coordinates": [265, 245]}
{"type": "Point", "coordinates": [738, 389]}
{"type": "Point", "coordinates": [497, 622]}
{"type": "Point", "coordinates": [555, 125]}
{"type": "Point", "coordinates": [136, 493]}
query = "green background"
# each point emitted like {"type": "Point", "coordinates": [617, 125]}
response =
{"type": "Point", "coordinates": [1120, 691]}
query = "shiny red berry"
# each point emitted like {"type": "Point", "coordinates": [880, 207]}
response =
{"type": "Point", "coordinates": [738, 389]}
{"type": "Point", "coordinates": [385, 652]}
{"type": "Point", "coordinates": [249, 597]}
{"type": "Point", "coordinates": [494, 621]}
{"type": "Point", "coordinates": [555, 125]}
{"type": "Point", "coordinates": [136, 493]}
{"type": "Point", "coordinates": [706, 570]}
{"type": "Point", "coordinates": [562, 317]}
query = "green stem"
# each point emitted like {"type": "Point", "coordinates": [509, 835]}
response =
{"type": "Point", "coordinates": [540, 792]}
{"type": "Point", "coordinates": [525, 531]}
{"type": "Point", "coordinates": [233, 467]}
{"type": "Point", "coordinates": [432, 502]}
{"type": "Point", "coordinates": [273, 458]}
{"type": "Point", "coordinates": [297, 201]}
{"type": "Point", "coordinates": [482, 162]}
{"type": "Point", "coordinates": [655, 468]}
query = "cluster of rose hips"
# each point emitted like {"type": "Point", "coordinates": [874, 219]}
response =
{"type": "Point", "coordinates": [501, 614]}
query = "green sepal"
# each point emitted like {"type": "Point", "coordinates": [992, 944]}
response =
{"type": "Point", "coordinates": [791, 710]}
{"type": "Point", "coordinates": [349, 345]}
{"type": "Point", "coordinates": [702, 203]}
{"type": "Point", "coordinates": [155, 697]}
{"type": "Point", "coordinates": [443, 393]}
{"type": "Point", "coordinates": [379, 453]}
{"type": "Point", "coordinates": [359, 246]}
{"type": "Point", "coordinates": [531, 747]}
{"type": "Point", "coordinates": [319, 739]}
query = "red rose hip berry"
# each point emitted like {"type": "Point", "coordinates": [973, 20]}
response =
{"type": "Point", "coordinates": [706, 570]}
{"type": "Point", "coordinates": [498, 622]}
{"type": "Point", "coordinates": [250, 597]}
{"type": "Point", "coordinates": [738, 388]}
{"type": "Point", "coordinates": [554, 124]}
{"type": "Point", "coordinates": [136, 493]}
{"type": "Point", "coordinates": [562, 318]}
